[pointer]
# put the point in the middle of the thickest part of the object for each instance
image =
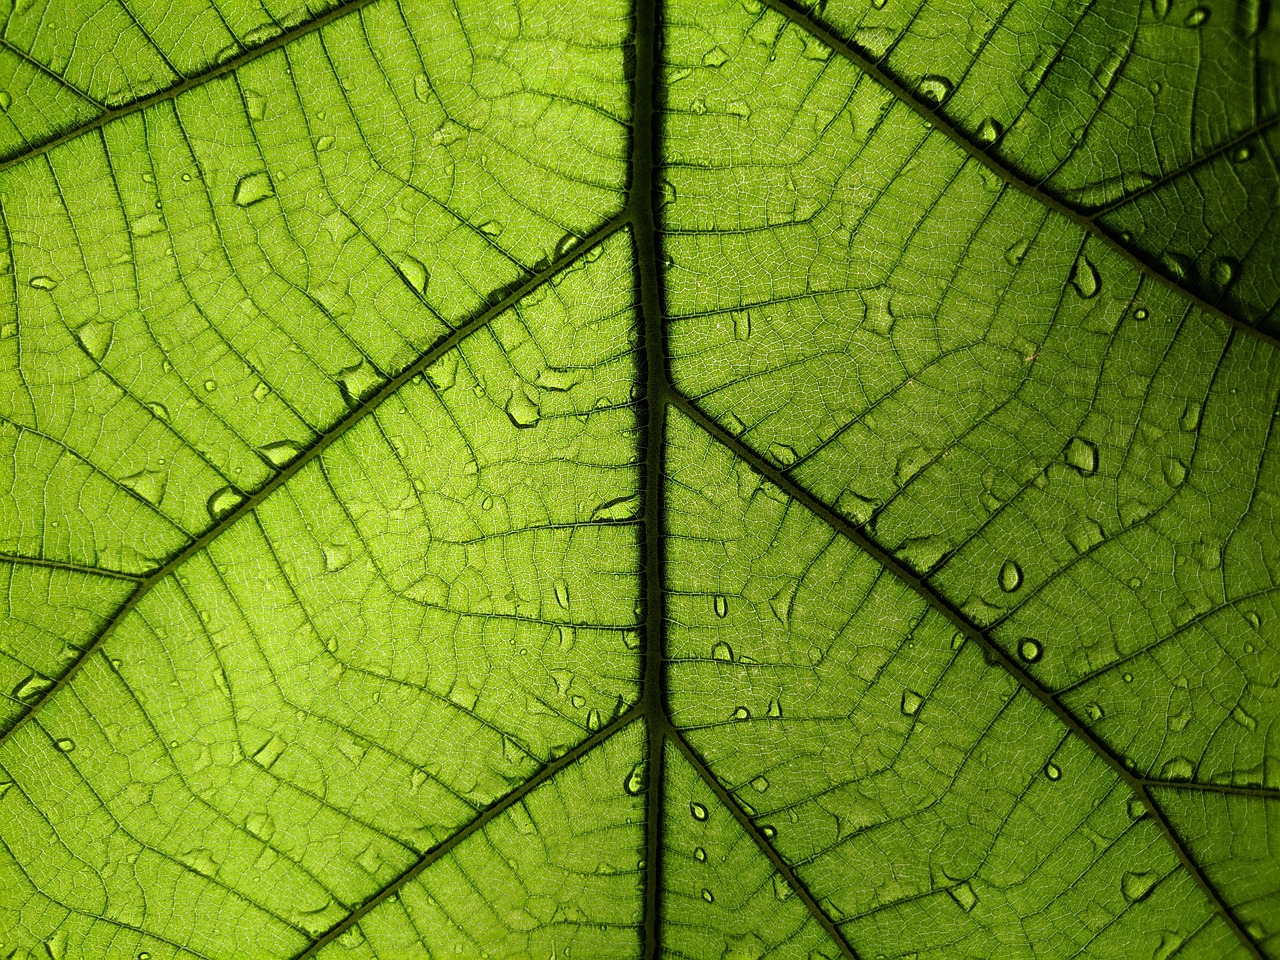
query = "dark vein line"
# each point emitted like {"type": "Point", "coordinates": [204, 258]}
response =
{"type": "Point", "coordinates": [644, 157]}
{"type": "Point", "coordinates": [445, 847]}
{"type": "Point", "coordinates": [1166, 178]}
{"type": "Point", "coordinates": [995, 654]}
{"type": "Point", "coordinates": [505, 301]}
{"type": "Point", "coordinates": [41, 68]}
{"type": "Point", "coordinates": [68, 565]}
{"type": "Point", "coordinates": [1239, 790]}
{"type": "Point", "coordinates": [731, 804]}
{"type": "Point", "coordinates": [1006, 172]}
{"type": "Point", "coordinates": [195, 80]}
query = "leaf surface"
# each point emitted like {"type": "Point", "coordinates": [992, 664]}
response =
{"type": "Point", "coordinates": [712, 480]}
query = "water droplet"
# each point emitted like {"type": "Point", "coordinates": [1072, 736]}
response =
{"type": "Point", "coordinates": [1175, 471]}
{"type": "Point", "coordinates": [422, 88]}
{"type": "Point", "coordinates": [721, 651]}
{"type": "Point", "coordinates": [1094, 711]}
{"type": "Point", "coordinates": [1084, 277]}
{"type": "Point", "coordinates": [1244, 718]}
{"type": "Point", "coordinates": [491, 228]}
{"type": "Point", "coordinates": [43, 283]}
{"type": "Point", "coordinates": [715, 57]}
{"type": "Point", "coordinates": [223, 502]}
{"type": "Point", "coordinates": [1083, 455]}
{"type": "Point", "coordinates": [148, 484]}
{"type": "Point", "coordinates": [336, 556]}
{"type": "Point", "coordinates": [1053, 771]}
{"type": "Point", "coordinates": [280, 453]}
{"type": "Point", "coordinates": [721, 604]}
{"type": "Point", "coordinates": [697, 811]}
{"type": "Point", "coordinates": [1010, 576]}
{"type": "Point", "coordinates": [1136, 885]}
{"type": "Point", "coordinates": [32, 687]}
{"type": "Point", "coordinates": [414, 273]}
{"type": "Point", "coordinates": [147, 226]}
{"type": "Point", "coordinates": [1197, 17]}
{"type": "Point", "coordinates": [255, 104]}
{"type": "Point", "coordinates": [934, 88]}
{"type": "Point", "coordinates": [699, 854]}
{"type": "Point", "coordinates": [253, 188]}
{"type": "Point", "coordinates": [989, 131]}
{"type": "Point", "coordinates": [1179, 768]}
{"type": "Point", "coordinates": [358, 381]}
{"type": "Point", "coordinates": [963, 894]}
{"type": "Point", "coordinates": [741, 713]}
{"type": "Point", "coordinates": [522, 411]}
{"type": "Point", "coordinates": [266, 755]}
{"type": "Point", "coordinates": [324, 143]}
{"type": "Point", "coordinates": [738, 108]}
{"type": "Point", "coordinates": [1223, 272]}
{"type": "Point", "coordinates": [6, 100]}
{"type": "Point", "coordinates": [782, 455]}
{"type": "Point", "coordinates": [1017, 251]}
{"type": "Point", "coordinates": [1127, 677]}
{"type": "Point", "coordinates": [562, 594]}
{"type": "Point", "coordinates": [1176, 265]}
{"type": "Point", "coordinates": [634, 784]}
{"type": "Point", "coordinates": [781, 889]}
{"type": "Point", "coordinates": [1030, 649]}
{"type": "Point", "coordinates": [66, 745]}
{"type": "Point", "coordinates": [1084, 534]}
{"type": "Point", "coordinates": [96, 336]}
{"type": "Point", "coordinates": [911, 702]}
{"type": "Point", "coordinates": [708, 896]}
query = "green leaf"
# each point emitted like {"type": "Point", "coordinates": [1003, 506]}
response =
{"type": "Point", "coordinates": [705, 480]}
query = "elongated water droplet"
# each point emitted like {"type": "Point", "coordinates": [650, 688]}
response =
{"type": "Point", "coordinates": [782, 455]}
{"type": "Point", "coordinates": [934, 88]}
{"type": "Point", "coordinates": [1053, 771]}
{"type": "Point", "coordinates": [708, 896]}
{"type": "Point", "coordinates": [721, 604]}
{"type": "Point", "coordinates": [43, 283]}
{"type": "Point", "coordinates": [1134, 885]}
{"type": "Point", "coordinates": [1177, 265]}
{"type": "Point", "coordinates": [358, 381]}
{"type": "Point", "coordinates": [715, 57]}
{"type": "Point", "coordinates": [324, 143]}
{"type": "Point", "coordinates": [6, 100]}
{"type": "Point", "coordinates": [1094, 711]}
{"type": "Point", "coordinates": [1083, 455]}
{"type": "Point", "coordinates": [1084, 277]}
{"type": "Point", "coordinates": [159, 411]}
{"type": "Point", "coordinates": [721, 651]}
{"type": "Point", "coordinates": [148, 484]}
{"type": "Point", "coordinates": [280, 453]}
{"type": "Point", "coordinates": [253, 188]}
{"type": "Point", "coordinates": [1030, 650]}
{"type": "Point", "coordinates": [562, 594]}
{"type": "Point", "coordinates": [1179, 768]}
{"type": "Point", "coordinates": [989, 132]}
{"type": "Point", "coordinates": [224, 501]}
{"type": "Point", "coordinates": [96, 336]}
{"type": "Point", "coordinates": [1175, 471]}
{"type": "Point", "coordinates": [697, 811]}
{"type": "Point", "coordinates": [911, 702]}
{"type": "Point", "coordinates": [32, 687]}
{"type": "Point", "coordinates": [522, 411]}
{"type": "Point", "coordinates": [781, 889]}
{"type": "Point", "coordinates": [1010, 576]}
{"type": "Point", "coordinates": [269, 752]}
{"type": "Point", "coordinates": [414, 273]}
{"type": "Point", "coordinates": [422, 88]}
{"type": "Point", "coordinates": [634, 784]}
{"type": "Point", "coordinates": [1084, 534]}
{"type": "Point", "coordinates": [147, 226]}
{"type": "Point", "coordinates": [1017, 250]}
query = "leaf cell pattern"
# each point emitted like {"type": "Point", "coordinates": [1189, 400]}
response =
{"type": "Point", "coordinates": [722, 480]}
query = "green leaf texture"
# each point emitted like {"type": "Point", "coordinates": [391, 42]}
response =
{"type": "Point", "coordinates": [715, 480]}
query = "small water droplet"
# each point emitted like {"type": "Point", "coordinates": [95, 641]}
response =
{"type": "Point", "coordinates": [148, 484]}
{"type": "Point", "coordinates": [223, 502]}
{"type": "Point", "coordinates": [1136, 885]}
{"type": "Point", "coordinates": [1082, 454]}
{"type": "Point", "coordinates": [1197, 17]}
{"type": "Point", "coordinates": [715, 57]}
{"type": "Point", "coordinates": [1084, 277]}
{"type": "Point", "coordinates": [1179, 768]}
{"type": "Point", "coordinates": [1094, 711]}
{"type": "Point", "coordinates": [522, 411]}
{"type": "Point", "coordinates": [700, 854]}
{"type": "Point", "coordinates": [336, 556]}
{"type": "Point", "coordinates": [782, 455]}
{"type": "Point", "coordinates": [1084, 534]}
{"type": "Point", "coordinates": [66, 745]}
{"type": "Point", "coordinates": [1176, 265]}
{"type": "Point", "coordinates": [769, 831]}
{"type": "Point", "coordinates": [741, 713]}
{"type": "Point", "coordinates": [1137, 809]}
{"type": "Point", "coordinates": [280, 453]}
{"type": "Point", "coordinates": [1223, 272]}
{"type": "Point", "coordinates": [989, 131]}
{"type": "Point", "coordinates": [911, 702]}
{"type": "Point", "coordinates": [708, 896]}
{"type": "Point", "coordinates": [422, 88]}
{"type": "Point", "coordinates": [775, 709]}
{"type": "Point", "coordinates": [1053, 771]}
{"type": "Point", "coordinates": [96, 337]}
{"type": "Point", "coordinates": [698, 811]}
{"type": "Point", "coordinates": [1010, 576]}
{"type": "Point", "coordinates": [634, 784]}
{"type": "Point", "coordinates": [963, 894]}
{"type": "Point", "coordinates": [1030, 649]}
{"type": "Point", "coordinates": [6, 100]}
{"type": "Point", "coordinates": [721, 651]}
{"type": "Point", "coordinates": [491, 228]}
{"type": "Point", "coordinates": [253, 188]}
{"type": "Point", "coordinates": [1016, 251]}
{"type": "Point", "coordinates": [147, 226]}
{"type": "Point", "coordinates": [1175, 471]}
{"type": "Point", "coordinates": [324, 143]}
{"type": "Point", "coordinates": [255, 104]}
{"type": "Point", "coordinates": [1244, 718]}
{"type": "Point", "coordinates": [781, 890]}
{"type": "Point", "coordinates": [934, 88]}
{"type": "Point", "coordinates": [414, 273]}
{"type": "Point", "coordinates": [721, 604]}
